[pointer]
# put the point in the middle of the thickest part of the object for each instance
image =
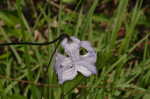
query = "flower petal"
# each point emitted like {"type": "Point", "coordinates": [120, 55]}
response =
{"type": "Point", "coordinates": [84, 71]}
{"type": "Point", "coordinates": [87, 65]}
{"type": "Point", "coordinates": [59, 58]}
{"type": "Point", "coordinates": [91, 55]}
{"type": "Point", "coordinates": [64, 68]}
{"type": "Point", "coordinates": [72, 48]}
{"type": "Point", "coordinates": [68, 75]}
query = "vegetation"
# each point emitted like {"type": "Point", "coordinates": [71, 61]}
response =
{"type": "Point", "coordinates": [119, 30]}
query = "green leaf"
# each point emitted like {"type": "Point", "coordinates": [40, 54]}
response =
{"type": "Point", "coordinates": [69, 1]}
{"type": "Point", "coordinates": [16, 96]}
{"type": "Point", "coordinates": [146, 96]}
{"type": "Point", "coordinates": [9, 18]}
{"type": "Point", "coordinates": [70, 85]}
{"type": "Point", "coordinates": [36, 94]}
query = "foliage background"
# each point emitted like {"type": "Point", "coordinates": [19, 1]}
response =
{"type": "Point", "coordinates": [118, 30]}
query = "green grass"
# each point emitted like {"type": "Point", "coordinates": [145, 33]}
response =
{"type": "Point", "coordinates": [123, 63]}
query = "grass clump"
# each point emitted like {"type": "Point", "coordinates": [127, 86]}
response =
{"type": "Point", "coordinates": [118, 30]}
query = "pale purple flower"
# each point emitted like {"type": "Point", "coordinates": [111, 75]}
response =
{"type": "Point", "coordinates": [68, 67]}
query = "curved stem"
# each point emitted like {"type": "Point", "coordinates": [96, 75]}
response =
{"type": "Point", "coordinates": [61, 37]}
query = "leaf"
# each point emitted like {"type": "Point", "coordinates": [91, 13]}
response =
{"type": "Point", "coordinates": [70, 85]}
{"type": "Point", "coordinates": [146, 96]}
{"type": "Point", "coordinates": [16, 96]}
{"type": "Point", "coordinates": [9, 18]}
{"type": "Point", "coordinates": [68, 1]}
{"type": "Point", "coordinates": [36, 94]}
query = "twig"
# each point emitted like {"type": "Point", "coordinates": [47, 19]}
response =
{"type": "Point", "coordinates": [79, 86]}
{"type": "Point", "coordinates": [58, 6]}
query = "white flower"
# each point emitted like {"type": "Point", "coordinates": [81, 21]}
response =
{"type": "Point", "coordinates": [68, 67]}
